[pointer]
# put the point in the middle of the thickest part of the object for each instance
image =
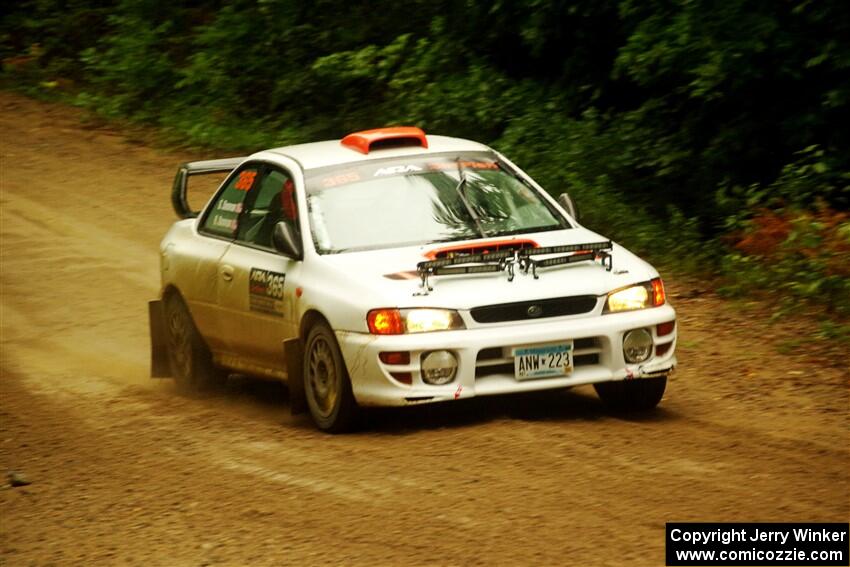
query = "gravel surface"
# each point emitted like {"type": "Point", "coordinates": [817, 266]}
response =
{"type": "Point", "coordinates": [123, 470]}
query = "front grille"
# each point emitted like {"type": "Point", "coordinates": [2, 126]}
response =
{"type": "Point", "coordinates": [540, 309]}
{"type": "Point", "coordinates": [506, 368]}
{"type": "Point", "coordinates": [586, 359]}
{"type": "Point", "coordinates": [498, 360]}
{"type": "Point", "coordinates": [489, 353]}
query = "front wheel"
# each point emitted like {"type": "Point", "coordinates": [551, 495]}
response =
{"type": "Point", "coordinates": [326, 383]}
{"type": "Point", "coordinates": [642, 394]}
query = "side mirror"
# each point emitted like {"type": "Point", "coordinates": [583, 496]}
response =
{"type": "Point", "coordinates": [286, 242]}
{"type": "Point", "coordinates": [569, 205]}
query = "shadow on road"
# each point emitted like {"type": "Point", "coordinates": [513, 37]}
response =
{"type": "Point", "coordinates": [579, 404]}
{"type": "Point", "coordinates": [558, 405]}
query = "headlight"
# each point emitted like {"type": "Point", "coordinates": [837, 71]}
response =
{"type": "Point", "coordinates": [425, 320]}
{"type": "Point", "coordinates": [635, 297]}
{"type": "Point", "coordinates": [640, 296]}
{"type": "Point", "coordinates": [401, 321]}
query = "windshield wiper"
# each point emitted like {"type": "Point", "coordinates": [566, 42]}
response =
{"type": "Point", "coordinates": [460, 189]}
{"type": "Point", "coordinates": [528, 230]}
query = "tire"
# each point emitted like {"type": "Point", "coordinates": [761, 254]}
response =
{"type": "Point", "coordinates": [638, 395]}
{"type": "Point", "coordinates": [188, 355]}
{"type": "Point", "coordinates": [327, 386]}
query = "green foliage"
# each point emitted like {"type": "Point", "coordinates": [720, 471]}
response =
{"type": "Point", "coordinates": [129, 68]}
{"type": "Point", "coordinates": [795, 255]}
{"type": "Point", "coordinates": [788, 241]}
{"type": "Point", "coordinates": [685, 129]}
{"type": "Point", "coordinates": [585, 158]}
{"type": "Point", "coordinates": [808, 181]}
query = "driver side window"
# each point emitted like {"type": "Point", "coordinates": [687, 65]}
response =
{"type": "Point", "coordinates": [274, 201]}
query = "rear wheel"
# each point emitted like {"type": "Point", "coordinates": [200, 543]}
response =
{"type": "Point", "coordinates": [642, 394]}
{"type": "Point", "coordinates": [190, 359]}
{"type": "Point", "coordinates": [327, 386]}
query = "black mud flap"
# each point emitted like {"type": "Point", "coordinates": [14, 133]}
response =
{"type": "Point", "coordinates": [160, 367]}
{"type": "Point", "coordinates": [293, 354]}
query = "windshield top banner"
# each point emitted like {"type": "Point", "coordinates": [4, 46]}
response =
{"type": "Point", "coordinates": [337, 176]}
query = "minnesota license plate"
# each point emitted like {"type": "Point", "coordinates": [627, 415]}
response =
{"type": "Point", "coordinates": [543, 361]}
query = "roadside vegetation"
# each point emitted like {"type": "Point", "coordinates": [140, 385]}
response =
{"type": "Point", "coordinates": [710, 136]}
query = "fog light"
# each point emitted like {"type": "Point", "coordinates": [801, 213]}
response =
{"type": "Point", "coordinates": [438, 367]}
{"type": "Point", "coordinates": [637, 345]}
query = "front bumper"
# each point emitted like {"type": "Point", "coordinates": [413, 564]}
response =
{"type": "Point", "coordinates": [485, 364]}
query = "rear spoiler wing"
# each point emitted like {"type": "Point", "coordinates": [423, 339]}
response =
{"type": "Point", "coordinates": [186, 170]}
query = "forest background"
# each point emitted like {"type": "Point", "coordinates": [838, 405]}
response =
{"type": "Point", "coordinates": [711, 136]}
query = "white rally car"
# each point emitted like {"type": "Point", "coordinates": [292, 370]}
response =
{"type": "Point", "coordinates": [392, 268]}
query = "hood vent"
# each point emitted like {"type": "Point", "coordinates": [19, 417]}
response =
{"type": "Point", "coordinates": [399, 136]}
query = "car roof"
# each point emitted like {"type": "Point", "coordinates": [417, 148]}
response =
{"type": "Point", "coordinates": [332, 152]}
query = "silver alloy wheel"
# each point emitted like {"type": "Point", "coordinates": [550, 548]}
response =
{"type": "Point", "coordinates": [323, 378]}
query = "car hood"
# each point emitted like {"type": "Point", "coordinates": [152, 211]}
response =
{"type": "Point", "coordinates": [388, 278]}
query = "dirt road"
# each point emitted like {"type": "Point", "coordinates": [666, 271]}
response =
{"type": "Point", "coordinates": [125, 471]}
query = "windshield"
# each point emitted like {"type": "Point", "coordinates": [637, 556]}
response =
{"type": "Point", "coordinates": [407, 201]}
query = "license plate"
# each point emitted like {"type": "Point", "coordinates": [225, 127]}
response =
{"type": "Point", "coordinates": [544, 361]}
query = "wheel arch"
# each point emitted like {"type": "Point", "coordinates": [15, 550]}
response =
{"type": "Point", "coordinates": [345, 415]}
{"type": "Point", "coordinates": [170, 290]}
{"type": "Point", "coordinates": [294, 355]}
{"type": "Point", "coordinates": [310, 318]}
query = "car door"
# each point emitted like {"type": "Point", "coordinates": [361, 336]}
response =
{"type": "Point", "coordinates": [256, 295]}
{"type": "Point", "coordinates": [216, 229]}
